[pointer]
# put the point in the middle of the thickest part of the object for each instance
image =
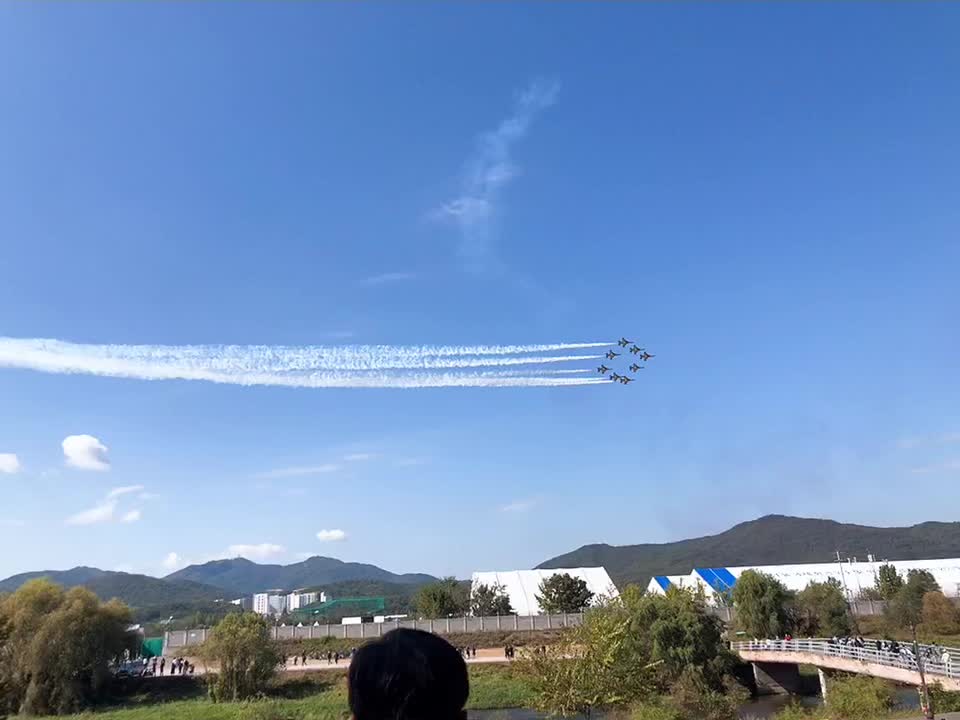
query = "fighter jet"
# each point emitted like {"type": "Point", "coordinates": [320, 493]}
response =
{"type": "Point", "coordinates": [611, 355]}
{"type": "Point", "coordinates": [646, 356]}
{"type": "Point", "coordinates": [602, 369]}
{"type": "Point", "coordinates": [615, 377]}
{"type": "Point", "coordinates": [634, 349]}
{"type": "Point", "coordinates": [623, 342]}
{"type": "Point", "coordinates": [635, 367]}
{"type": "Point", "coordinates": [624, 379]}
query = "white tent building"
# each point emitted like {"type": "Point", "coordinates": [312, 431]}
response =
{"type": "Point", "coordinates": [523, 586]}
{"type": "Point", "coordinates": [853, 576]}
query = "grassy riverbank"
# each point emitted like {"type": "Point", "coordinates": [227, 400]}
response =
{"type": "Point", "coordinates": [310, 696]}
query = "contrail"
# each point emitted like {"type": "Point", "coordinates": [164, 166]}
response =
{"type": "Point", "coordinates": [303, 366]}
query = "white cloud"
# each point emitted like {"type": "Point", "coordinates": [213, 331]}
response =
{"type": "Point", "coordinates": [172, 561]}
{"type": "Point", "coordinates": [387, 278]}
{"type": "Point", "coordinates": [123, 490]}
{"type": "Point", "coordinates": [358, 457]}
{"type": "Point", "coordinates": [518, 506]}
{"type": "Point", "coordinates": [488, 171]}
{"type": "Point", "coordinates": [131, 516]}
{"type": "Point", "coordinates": [9, 463]}
{"type": "Point", "coordinates": [85, 452]}
{"type": "Point", "coordinates": [255, 552]}
{"type": "Point", "coordinates": [944, 467]}
{"type": "Point", "coordinates": [99, 514]}
{"type": "Point", "coordinates": [298, 471]}
{"type": "Point", "coordinates": [331, 535]}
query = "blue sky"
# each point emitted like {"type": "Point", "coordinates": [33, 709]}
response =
{"type": "Point", "coordinates": [766, 196]}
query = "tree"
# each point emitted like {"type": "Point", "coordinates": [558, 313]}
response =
{"type": "Point", "coordinates": [634, 648]}
{"type": "Point", "coordinates": [444, 598]}
{"type": "Point", "coordinates": [245, 654]}
{"type": "Point", "coordinates": [490, 600]}
{"type": "Point", "coordinates": [56, 647]}
{"type": "Point", "coordinates": [762, 604]}
{"type": "Point", "coordinates": [905, 610]}
{"type": "Point", "coordinates": [822, 610]}
{"type": "Point", "coordinates": [889, 581]}
{"type": "Point", "coordinates": [563, 593]}
{"type": "Point", "coordinates": [939, 615]}
{"type": "Point", "coordinates": [595, 666]}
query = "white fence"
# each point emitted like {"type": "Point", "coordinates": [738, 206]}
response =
{"type": "Point", "coordinates": [443, 626]}
{"type": "Point", "coordinates": [931, 655]}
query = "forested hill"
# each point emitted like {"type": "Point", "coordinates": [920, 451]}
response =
{"type": "Point", "coordinates": [769, 540]}
{"type": "Point", "coordinates": [243, 577]}
{"type": "Point", "coordinates": [135, 590]}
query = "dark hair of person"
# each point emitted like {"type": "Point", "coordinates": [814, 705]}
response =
{"type": "Point", "coordinates": [408, 675]}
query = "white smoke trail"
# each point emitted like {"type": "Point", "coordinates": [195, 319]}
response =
{"type": "Point", "coordinates": [309, 366]}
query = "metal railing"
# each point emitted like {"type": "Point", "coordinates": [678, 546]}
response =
{"type": "Point", "coordinates": [934, 662]}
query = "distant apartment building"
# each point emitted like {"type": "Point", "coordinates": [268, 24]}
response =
{"type": "Point", "coordinates": [244, 603]}
{"type": "Point", "coordinates": [299, 598]}
{"type": "Point", "coordinates": [272, 602]}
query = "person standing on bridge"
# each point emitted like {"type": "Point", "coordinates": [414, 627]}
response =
{"type": "Point", "coordinates": [946, 660]}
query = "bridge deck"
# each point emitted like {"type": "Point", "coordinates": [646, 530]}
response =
{"type": "Point", "coordinates": [867, 660]}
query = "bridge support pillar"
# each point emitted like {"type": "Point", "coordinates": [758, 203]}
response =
{"type": "Point", "coordinates": [823, 683]}
{"type": "Point", "coordinates": [777, 678]}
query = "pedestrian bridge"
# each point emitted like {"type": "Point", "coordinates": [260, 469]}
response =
{"type": "Point", "coordinates": [776, 662]}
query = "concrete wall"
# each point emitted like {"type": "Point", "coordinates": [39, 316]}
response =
{"type": "Point", "coordinates": [777, 678]}
{"type": "Point", "coordinates": [174, 639]}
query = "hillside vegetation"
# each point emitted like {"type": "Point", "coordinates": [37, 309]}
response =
{"type": "Point", "coordinates": [240, 576]}
{"type": "Point", "coordinates": [770, 540]}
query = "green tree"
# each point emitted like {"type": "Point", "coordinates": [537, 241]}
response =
{"type": "Point", "coordinates": [444, 598]}
{"type": "Point", "coordinates": [762, 604]}
{"type": "Point", "coordinates": [822, 610]}
{"type": "Point", "coordinates": [245, 655]}
{"type": "Point", "coordinates": [905, 610]}
{"type": "Point", "coordinates": [56, 647]}
{"type": "Point", "coordinates": [939, 615]}
{"type": "Point", "coordinates": [595, 667]}
{"type": "Point", "coordinates": [563, 593]}
{"type": "Point", "coordinates": [889, 581]}
{"type": "Point", "coordinates": [490, 600]}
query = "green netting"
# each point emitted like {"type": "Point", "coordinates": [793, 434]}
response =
{"type": "Point", "coordinates": [342, 607]}
{"type": "Point", "coordinates": [152, 647]}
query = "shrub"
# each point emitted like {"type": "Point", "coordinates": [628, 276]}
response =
{"type": "Point", "coordinates": [943, 701]}
{"type": "Point", "coordinates": [859, 697]}
{"type": "Point", "coordinates": [246, 656]}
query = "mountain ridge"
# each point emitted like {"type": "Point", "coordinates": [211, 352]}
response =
{"type": "Point", "coordinates": [768, 540]}
{"type": "Point", "coordinates": [244, 577]}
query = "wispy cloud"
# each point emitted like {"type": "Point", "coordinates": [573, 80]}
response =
{"type": "Point", "coordinates": [943, 467]}
{"type": "Point", "coordinates": [914, 441]}
{"type": "Point", "coordinates": [411, 462]}
{"type": "Point", "coordinates": [124, 490]}
{"type": "Point", "coordinates": [387, 278]}
{"type": "Point", "coordinates": [358, 457]}
{"type": "Point", "coordinates": [488, 171]}
{"type": "Point", "coordinates": [85, 452]}
{"type": "Point", "coordinates": [260, 551]}
{"type": "Point", "coordinates": [311, 366]}
{"type": "Point", "coordinates": [172, 561]}
{"type": "Point", "coordinates": [519, 506]}
{"type": "Point", "coordinates": [94, 516]}
{"type": "Point", "coordinates": [298, 471]}
{"type": "Point", "coordinates": [334, 535]}
{"type": "Point", "coordinates": [131, 516]}
{"type": "Point", "coordinates": [9, 463]}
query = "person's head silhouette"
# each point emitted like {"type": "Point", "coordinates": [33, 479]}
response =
{"type": "Point", "coordinates": [408, 675]}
